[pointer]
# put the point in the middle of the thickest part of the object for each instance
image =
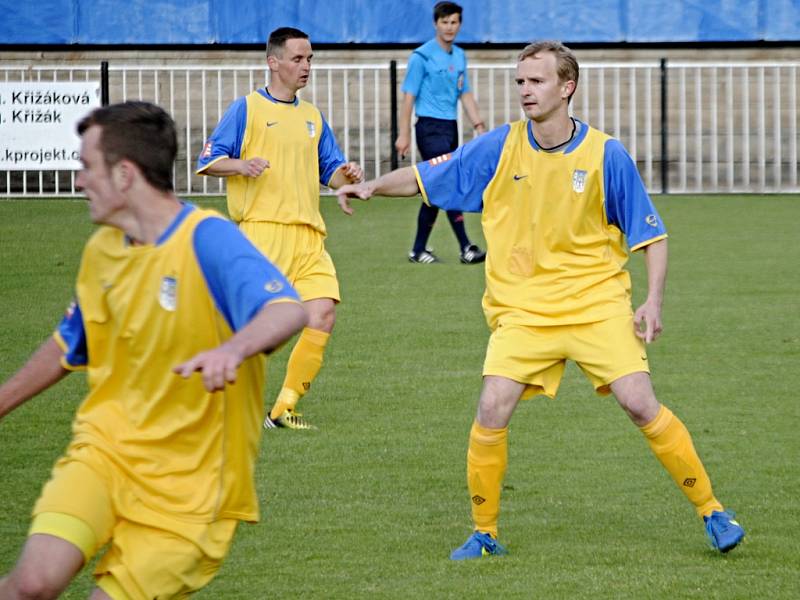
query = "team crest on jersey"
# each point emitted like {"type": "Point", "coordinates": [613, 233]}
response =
{"type": "Point", "coordinates": [578, 180]}
{"type": "Point", "coordinates": [206, 150]}
{"type": "Point", "coordinates": [274, 286]}
{"type": "Point", "coordinates": [437, 160]}
{"type": "Point", "coordinates": [168, 294]}
{"type": "Point", "coordinates": [651, 220]}
{"type": "Point", "coordinates": [312, 129]}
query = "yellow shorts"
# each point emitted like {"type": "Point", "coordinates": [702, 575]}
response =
{"type": "Point", "coordinates": [536, 356]}
{"type": "Point", "coordinates": [299, 252]}
{"type": "Point", "coordinates": [151, 555]}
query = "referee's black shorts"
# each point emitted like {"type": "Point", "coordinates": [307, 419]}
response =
{"type": "Point", "coordinates": [436, 136]}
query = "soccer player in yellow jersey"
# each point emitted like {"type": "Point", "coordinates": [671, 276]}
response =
{"type": "Point", "coordinates": [560, 200]}
{"type": "Point", "coordinates": [275, 150]}
{"type": "Point", "coordinates": [173, 314]}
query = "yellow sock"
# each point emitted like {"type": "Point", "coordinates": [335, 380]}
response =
{"type": "Point", "coordinates": [303, 366]}
{"type": "Point", "coordinates": [305, 360]}
{"type": "Point", "coordinates": [671, 443]}
{"type": "Point", "coordinates": [286, 399]}
{"type": "Point", "coordinates": [487, 459]}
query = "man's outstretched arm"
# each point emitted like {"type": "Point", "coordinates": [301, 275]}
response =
{"type": "Point", "coordinates": [402, 182]}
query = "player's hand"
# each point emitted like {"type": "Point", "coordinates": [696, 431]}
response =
{"type": "Point", "coordinates": [218, 367]}
{"type": "Point", "coordinates": [352, 190]}
{"type": "Point", "coordinates": [403, 144]}
{"type": "Point", "coordinates": [647, 322]}
{"type": "Point", "coordinates": [353, 172]}
{"type": "Point", "coordinates": [254, 167]}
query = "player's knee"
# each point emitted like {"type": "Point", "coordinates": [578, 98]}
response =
{"type": "Point", "coordinates": [322, 319]}
{"type": "Point", "coordinates": [635, 395]}
{"type": "Point", "coordinates": [641, 409]}
{"type": "Point", "coordinates": [497, 402]}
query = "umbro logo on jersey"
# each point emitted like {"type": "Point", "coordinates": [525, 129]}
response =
{"type": "Point", "coordinates": [652, 220]}
{"type": "Point", "coordinates": [439, 159]}
{"type": "Point", "coordinates": [271, 123]}
{"type": "Point", "coordinates": [689, 482]}
{"type": "Point", "coordinates": [518, 177]}
{"type": "Point", "coordinates": [478, 500]}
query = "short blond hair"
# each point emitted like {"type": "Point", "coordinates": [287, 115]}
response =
{"type": "Point", "coordinates": [566, 63]}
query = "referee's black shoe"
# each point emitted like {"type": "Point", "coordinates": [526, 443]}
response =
{"type": "Point", "coordinates": [472, 255]}
{"type": "Point", "coordinates": [425, 257]}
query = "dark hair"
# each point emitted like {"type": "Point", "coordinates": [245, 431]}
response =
{"type": "Point", "coordinates": [140, 132]}
{"type": "Point", "coordinates": [445, 9]}
{"type": "Point", "coordinates": [278, 38]}
{"type": "Point", "coordinates": [566, 63]}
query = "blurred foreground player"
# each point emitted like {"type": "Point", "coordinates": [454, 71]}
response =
{"type": "Point", "coordinates": [560, 200]}
{"type": "Point", "coordinates": [174, 311]}
{"type": "Point", "coordinates": [275, 150]}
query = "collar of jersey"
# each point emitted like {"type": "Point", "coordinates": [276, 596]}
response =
{"type": "Point", "coordinates": [179, 218]}
{"type": "Point", "coordinates": [584, 129]}
{"type": "Point", "coordinates": [269, 97]}
{"type": "Point", "coordinates": [185, 210]}
{"type": "Point", "coordinates": [433, 47]}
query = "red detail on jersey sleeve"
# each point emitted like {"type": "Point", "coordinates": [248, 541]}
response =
{"type": "Point", "coordinates": [437, 160]}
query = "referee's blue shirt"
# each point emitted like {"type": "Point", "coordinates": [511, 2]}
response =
{"type": "Point", "coordinates": [436, 79]}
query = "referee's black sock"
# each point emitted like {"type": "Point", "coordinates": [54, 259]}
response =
{"type": "Point", "coordinates": [456, 218]}
{"type": "Point", "coordinates": [425, 221]}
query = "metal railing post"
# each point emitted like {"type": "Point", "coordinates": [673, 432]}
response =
{"type": "Point", "coordinates": [104, 83]}
{"type": "Point", "coordinates": [393, 110]}
{"type": "Point", "coordinates": [664, 130]}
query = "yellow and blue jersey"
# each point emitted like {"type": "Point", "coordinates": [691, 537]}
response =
{"type": "Point", "coordinates": [142, 310]}
{"type": "Point", "coordinates": [300, 147]}
{"type": "Point", "coordinates": [436, 79]}
{"type": "Point", "coordinates": [556, 223]}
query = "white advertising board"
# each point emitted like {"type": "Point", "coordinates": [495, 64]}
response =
{"type": "Point", "coordinates": [37, 123]}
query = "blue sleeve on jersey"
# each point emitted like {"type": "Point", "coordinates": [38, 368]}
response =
{"type": "Point", "coordinates": [415, 73]}
{"type": "Point", "coordinates": [628, 205]}
{"type": "Point", "coordinates": [330, 156]}
{"type": "Point", "coordinates": [466, 87]}
{"type": "Point", "coordinates": [458, 183]}
{"type": "Point", "coordinates": [228, 136]}
{"type": "Point", "coordinates": [73, 334]}
{"type": "Point", "coordinates": [241, 280]}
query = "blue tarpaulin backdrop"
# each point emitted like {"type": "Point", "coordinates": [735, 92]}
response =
{"type": "Point", "coordinates": [143, 22]}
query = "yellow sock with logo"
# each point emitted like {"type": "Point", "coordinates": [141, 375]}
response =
{"type": "Point", "coordinates": [487, 459]}
{"type": "Point", "coordinates": [671, 443]}
{"type": "Point", "coordinates": [303, 366]}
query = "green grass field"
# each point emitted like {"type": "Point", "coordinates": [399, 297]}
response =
{"type": "Point", "coordinates": [371, 504]}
